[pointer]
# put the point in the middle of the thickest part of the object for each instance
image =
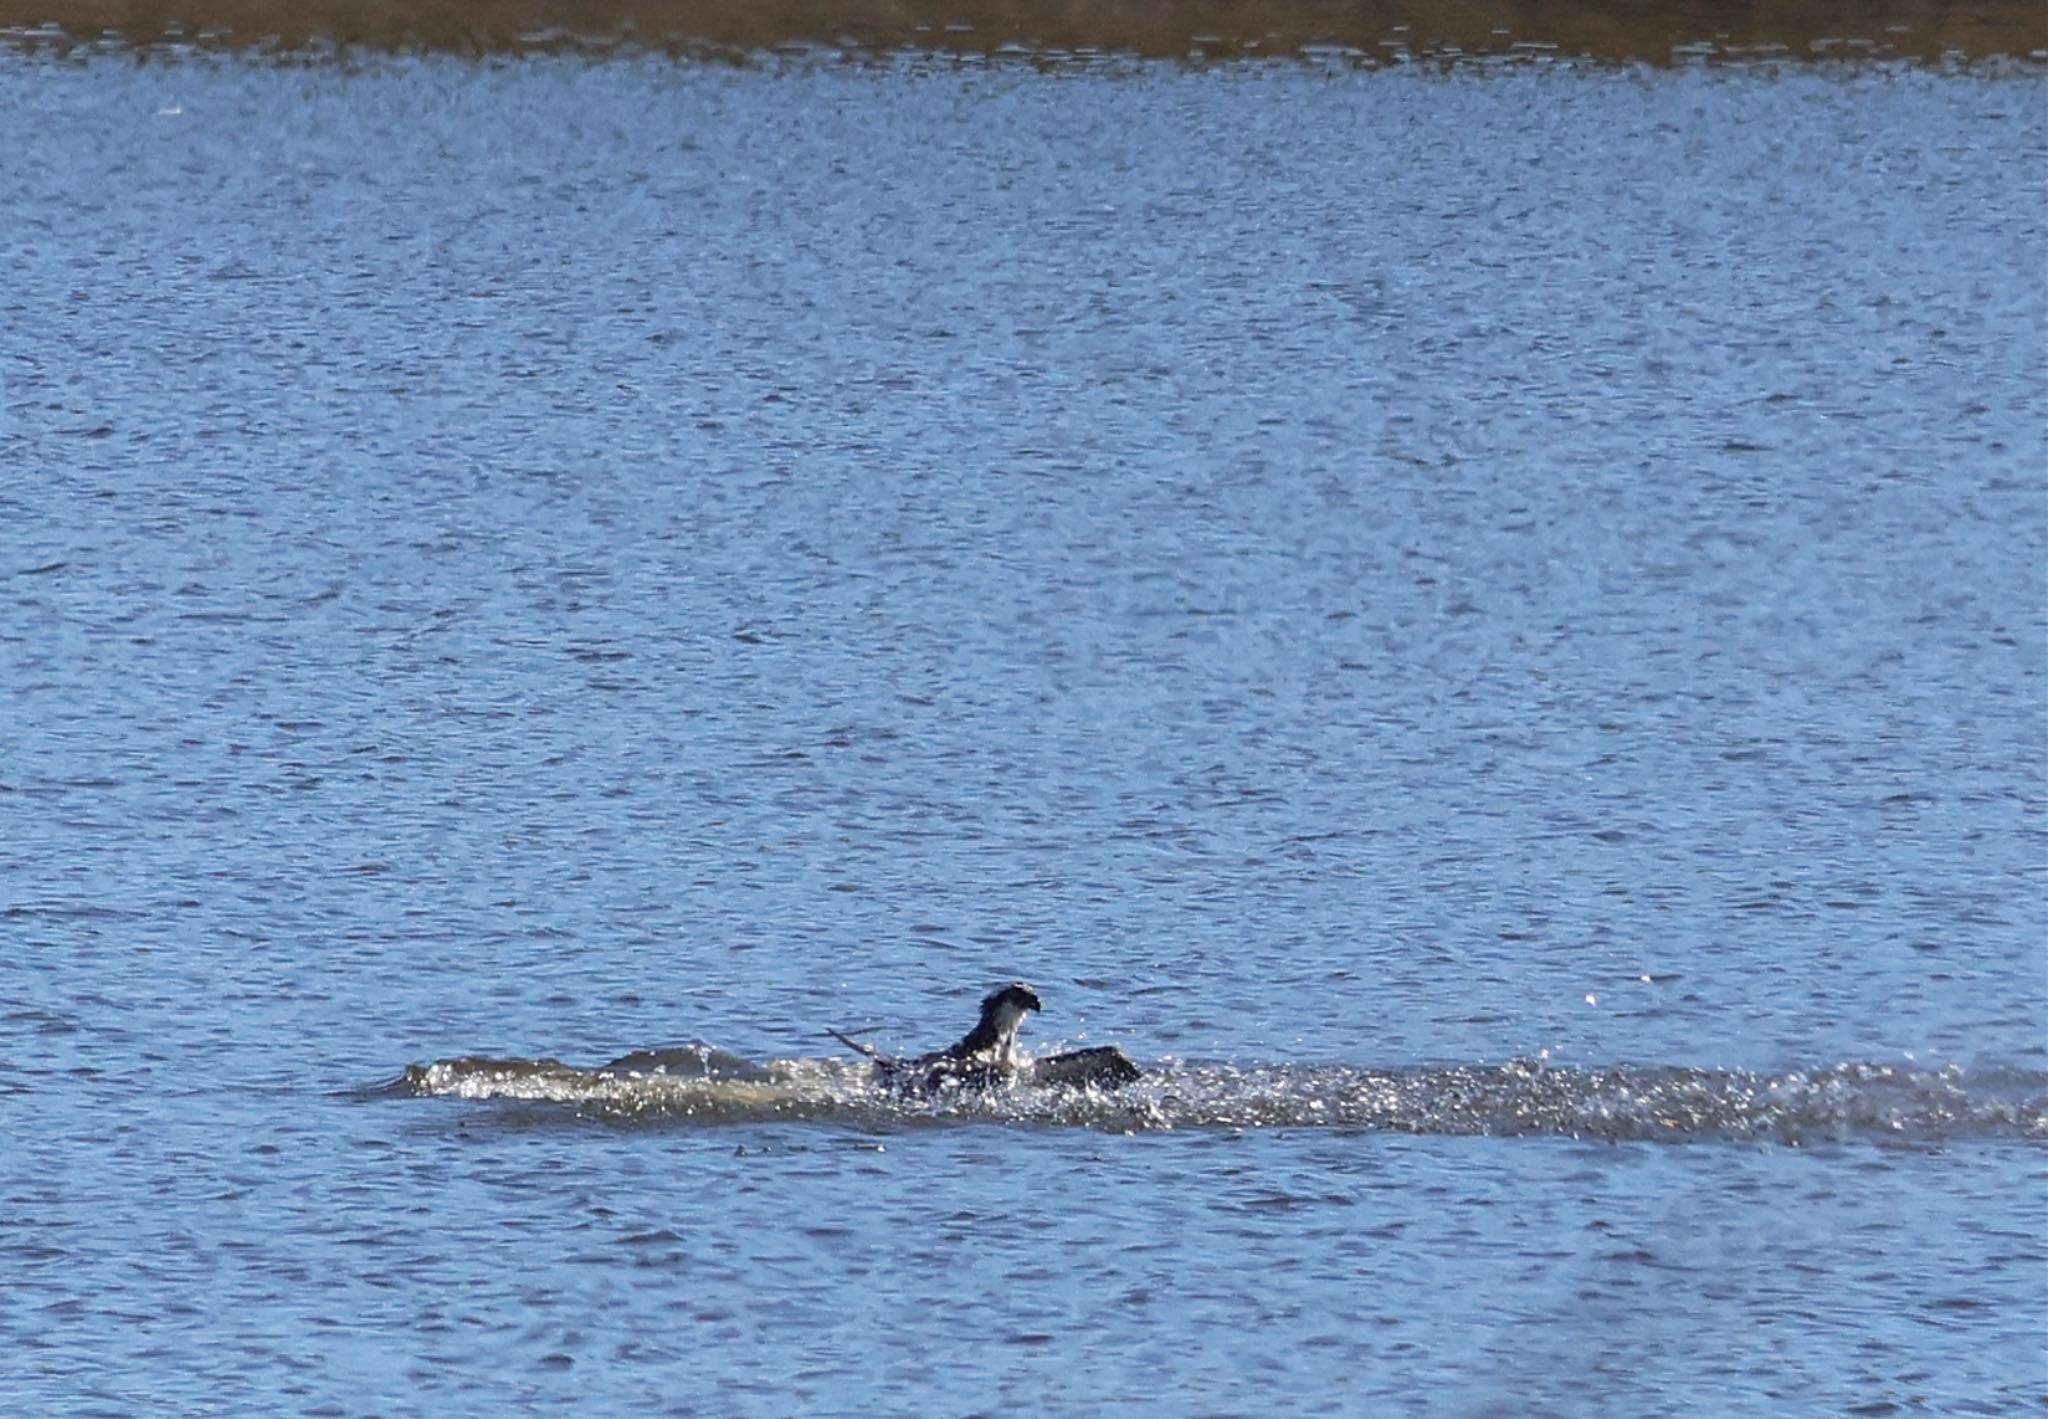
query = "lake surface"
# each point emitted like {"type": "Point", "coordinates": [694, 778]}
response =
{"type": "Point", "coordinates": [1490, 627]}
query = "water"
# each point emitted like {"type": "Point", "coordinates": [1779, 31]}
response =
{"type": "Point", "coordinates": [1486, 626]}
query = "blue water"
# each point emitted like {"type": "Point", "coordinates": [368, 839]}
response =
{"type": "Point", "coordinates": [1490, 628]}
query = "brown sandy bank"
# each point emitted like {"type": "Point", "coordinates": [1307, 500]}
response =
{"type": "Point", "coordinates": [1675, 31]}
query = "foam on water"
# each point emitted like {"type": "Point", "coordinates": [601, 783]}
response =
{"type": "Point", "coordinates": [1675, 1103]}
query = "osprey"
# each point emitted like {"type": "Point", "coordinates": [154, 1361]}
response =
{"type": "Point", "coordinates": [987, 1055]}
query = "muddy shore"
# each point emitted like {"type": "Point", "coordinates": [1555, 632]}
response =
{"type": "Point", "coordinates": [1669, 33]}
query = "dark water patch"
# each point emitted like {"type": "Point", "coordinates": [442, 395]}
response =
{"type": "Point", "coordinates": [1677, 31]}
{"type": "Point", "coordinates": [1523, 1098]}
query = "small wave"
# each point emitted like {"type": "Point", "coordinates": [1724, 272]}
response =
{"type": "Point", "coordinates": [1840, 1102]}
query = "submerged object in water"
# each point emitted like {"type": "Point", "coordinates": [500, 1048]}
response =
{"type": "Point", "coordinates": [691, 1061]}
{"type": "Point", "coordinates": [987, 1055]}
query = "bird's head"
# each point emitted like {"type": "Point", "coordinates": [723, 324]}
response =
{"type": "Point", "coordinates": [1005, 1006]}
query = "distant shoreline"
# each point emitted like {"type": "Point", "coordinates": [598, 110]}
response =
{"type": "Point", "coordinates": [1681, 31]}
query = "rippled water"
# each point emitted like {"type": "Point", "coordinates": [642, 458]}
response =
{"type": "Point", "coordinates": [1487, 627]}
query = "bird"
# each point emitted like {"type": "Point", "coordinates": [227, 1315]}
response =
{"type": "Point", "coordinates": [987, 1055]}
